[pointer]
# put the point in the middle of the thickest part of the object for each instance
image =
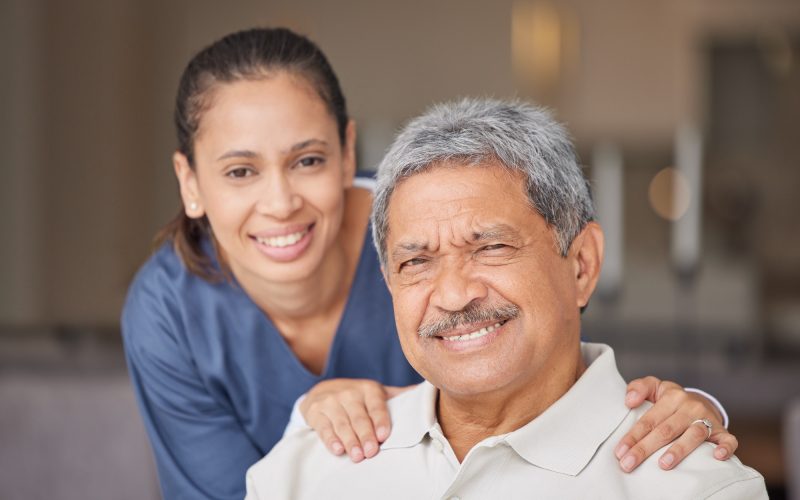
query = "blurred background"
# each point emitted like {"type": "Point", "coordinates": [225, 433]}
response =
{"type": "Point", "coordinates": [685, 113]}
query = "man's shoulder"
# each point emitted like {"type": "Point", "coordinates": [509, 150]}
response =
{"type": "Point", "coordinates": [296, 454]}
{"type": "Point", "coordinates": [300, 466]}
{"type": "Point", "coordinates": [699, 475]}
{"type": "Point", "coordinates": [303, 449]}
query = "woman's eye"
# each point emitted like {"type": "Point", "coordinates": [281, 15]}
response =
{"type": "Point", "coordinates": [240, 172]}
{"type": "Point", "coordinates": [310, 161]}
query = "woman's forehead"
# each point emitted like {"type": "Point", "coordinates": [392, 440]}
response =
{"type": "Point", "coordinates": [280, 107]}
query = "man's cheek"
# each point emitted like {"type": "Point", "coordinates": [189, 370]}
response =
{"type": "Point", "coordinates": [408, 315]}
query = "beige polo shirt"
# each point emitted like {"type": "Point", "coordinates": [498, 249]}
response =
{"type": "Point", "coordinates": [566, 452]}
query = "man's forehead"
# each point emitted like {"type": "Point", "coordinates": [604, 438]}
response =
{"type": "Point", "coordinates": [448, 182]}
{"type": "Point", "coordinates": [459, 205]}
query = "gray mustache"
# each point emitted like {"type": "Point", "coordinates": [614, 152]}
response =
{"type": "Point", "coordinates": [471, 314]}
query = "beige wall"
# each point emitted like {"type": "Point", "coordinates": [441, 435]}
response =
{"type": "Point", "coordinates": [88, 133]}
{"type": "Point", "coordinates": [21, 211]}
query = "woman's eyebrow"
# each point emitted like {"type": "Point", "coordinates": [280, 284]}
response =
{"type": "Point", "coordinates": [307, 143]}
{"type": "Point", "coordinates": [247, 153]}
{"type": "Point", "coordinates": [238, 153]}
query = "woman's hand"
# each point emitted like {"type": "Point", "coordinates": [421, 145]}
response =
{"type": "Point", "coordinates": [670, 420]}
{"type": "Point", "coordinates": [350, 415]}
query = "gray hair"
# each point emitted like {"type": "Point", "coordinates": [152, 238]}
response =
{"type": "Point", "coordinates": [519, 136]}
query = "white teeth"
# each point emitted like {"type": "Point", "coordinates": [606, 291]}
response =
{"type": "Point", "coordinates": [474, 335]}
{"type": "Point", "coordinates": [283, 241]}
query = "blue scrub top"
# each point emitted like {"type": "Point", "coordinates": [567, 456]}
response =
{"type": "Point", "coordinates": [216, 381]}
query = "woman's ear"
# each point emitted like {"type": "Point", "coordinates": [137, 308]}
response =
{"type": "Point", "coordinates": [349, 154]}
{"type": "Point", "coordinates": [587, 251]}
{"type": "Point", "coordinates": [187, 178]}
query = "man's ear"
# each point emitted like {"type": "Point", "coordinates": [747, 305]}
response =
{"type": "Point", "coordinates": [349, 154]}
{"type": "Point", "coordinates": [587, 252]}
{"type": "Point", "coordinates": [187, 179]}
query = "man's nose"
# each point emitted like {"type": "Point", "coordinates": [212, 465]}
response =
{"type": "Point", "coordinates": [277, 197]}
{"type": "Point", "coordinates": [455, 287]}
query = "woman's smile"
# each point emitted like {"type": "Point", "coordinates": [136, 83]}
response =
{"type": "Point", "coordinates": [284, 245]}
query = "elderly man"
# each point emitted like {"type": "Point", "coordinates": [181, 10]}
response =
{"type": "Point", "coordinates": [484, 225]}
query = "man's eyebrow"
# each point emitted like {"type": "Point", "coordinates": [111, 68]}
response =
{"type": "Point", "coordinates": [495, 232]}
{"type": "Point", "coordinates": [238, 153]}
{"type": "Point", "coordinates": [411, 247]}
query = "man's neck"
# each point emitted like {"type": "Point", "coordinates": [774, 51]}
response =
{"type": "Point", "coordinates": [468, 420]}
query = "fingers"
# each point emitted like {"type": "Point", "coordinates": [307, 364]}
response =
{"type": "Point", "coordinates": [655, 429]}
{"type": "Point", "coordinates": [354, 428]}
{"type": "Point", "coordinates": [671, 419]}
{"type": "Point", "coordinates": [349, 416]}
{"type": "Point", "coordinates": [657, 414]}
{"type": "Point", "coordinates": [691, 438]}
{"type": "Point", "coordinates": [369, 417]}
{"type": "Point", "coordinates": [378, 412]}
{"type": "Point", "coordinates": [641, 389]}
{"type": "Point", "coordinates": [322, 424]}
{"type": "Point", "coordinates": [726, 444]}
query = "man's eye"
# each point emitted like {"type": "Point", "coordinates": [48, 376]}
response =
{"type": "Point", "coordinates": [240, 172]}
{"type": "Point", "coordinates": [496, 246]}
{"type": "Point", "coordinates": [412, 262]}
{"type": "Point", "coordinates": [310, 161]}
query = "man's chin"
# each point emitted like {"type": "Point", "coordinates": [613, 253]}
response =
{"type": "Point", "coordinates": [478, 384]}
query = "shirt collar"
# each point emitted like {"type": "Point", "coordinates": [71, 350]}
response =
{"type": "Point", "coordinates": [414, 415]}
{"type": "Point", "coordinates": [565, 437]}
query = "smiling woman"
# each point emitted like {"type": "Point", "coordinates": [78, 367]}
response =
{"type": "Point", "coordinates": [266, 285]}
{"type": "Point", "coordinates": [270, 177]}
{"type": "Point", "coordinates": [266, 282]}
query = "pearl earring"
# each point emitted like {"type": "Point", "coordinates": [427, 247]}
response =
{"type": "Point", "coordinates": [193, 206]}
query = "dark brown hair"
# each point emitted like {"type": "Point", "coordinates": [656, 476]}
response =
{"type": "Point", "coordinates": [244, 55]}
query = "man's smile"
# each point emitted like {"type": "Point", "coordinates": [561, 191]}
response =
{"type": "Point", "coordinates": [478, 332]}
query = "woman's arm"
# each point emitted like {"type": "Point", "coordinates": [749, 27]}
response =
{"type": "Point", "coordinates": [351, 416]}
{"type": "Point", "coordinates": [201, 450]}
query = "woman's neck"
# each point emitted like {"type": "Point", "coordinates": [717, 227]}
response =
{"type": "Point", "coordinates": [307, 298]}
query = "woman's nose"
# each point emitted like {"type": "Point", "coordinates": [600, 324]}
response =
{"type": "Point", "coordinates": [278, 197]}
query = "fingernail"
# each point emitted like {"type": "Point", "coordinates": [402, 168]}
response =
{"type": "Point", "coordinates": [720, 453]}
{"type": "Point", "coordinates": [631, 396]}
{"type": "Point", "coordinates": [622, 449]}
{"type": "Point", "coordinates": [337, 448]}
{"type": "Point", "coordinates": [627, 463]}
{"type": "Point", "coordinates": [667, 459]}
{"type": "Point", "coordinates": [382, 433]}
{"type": "Point", "coordinates": [370, 448]}
{"type": "Point", "coordinates": [356, 454]}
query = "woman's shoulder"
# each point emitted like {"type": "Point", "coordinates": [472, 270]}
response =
{"type": "Point", "coordinates": [162, 293]}
{"type": "Point", "coordinates": [160, 273]}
